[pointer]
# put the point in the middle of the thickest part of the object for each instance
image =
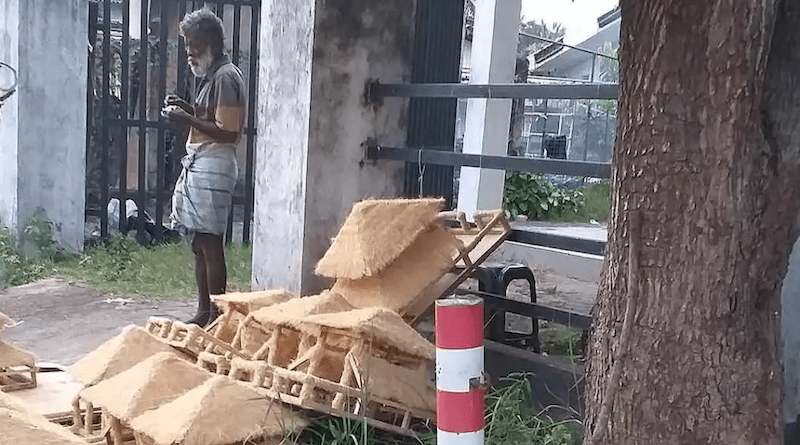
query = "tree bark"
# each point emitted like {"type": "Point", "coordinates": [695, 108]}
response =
{"type": "Point", "coordinates": [708, 159]}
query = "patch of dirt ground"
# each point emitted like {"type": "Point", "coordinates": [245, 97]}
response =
{"type": "Point", "coordinates": [60, 321]}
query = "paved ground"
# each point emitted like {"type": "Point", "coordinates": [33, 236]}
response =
{"type": "Point", "coordinates": [60, 322]}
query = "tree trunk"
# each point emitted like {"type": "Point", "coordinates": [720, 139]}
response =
{"type": "Point", "coordinates": [707, 159]}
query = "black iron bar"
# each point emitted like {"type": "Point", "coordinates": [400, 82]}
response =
{"type": "Point", "coordinates": [181, 86]}
{"type": "Point", "coordinates": [105, 110]}
{"type": "Point", "coordinates": [378, 91]}
{"type": "Point", "coordinates": [124, 94]}
{"type": "Point", "coordinates": [251, 124]}
{"type": "Point", "coordinates": [90, 86]}
{"type": "Point", "coordinates": [237, 19]}
{"type": "Point", "coordinates": [435, 155]}
{"type": "Point", "coordinates": [142, 167]}
{"type": "Point", "coordinates": [162, 92]}
{"type": "Point", "coordinates": [534, 310]}
{"type": "Point", "coordinates": [587, 246]}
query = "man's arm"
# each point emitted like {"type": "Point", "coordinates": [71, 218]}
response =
{"type": "Point", "coordinates": [210, 128]}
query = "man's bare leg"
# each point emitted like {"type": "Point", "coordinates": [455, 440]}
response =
{"type": "Point", "coordinates": [210, 274]}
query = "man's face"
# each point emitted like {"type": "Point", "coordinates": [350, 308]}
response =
{"type": "Point", "coordinates": [199, 53]}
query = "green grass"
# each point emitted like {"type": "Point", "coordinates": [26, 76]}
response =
{"type": "Point", "coordinates": [123, 267]}
{"type": "Point", "coordinates": [510, 419]}
{"type": "Point", "coordinates": [560, 340]}
{"type": "Point", "coordinates": [349, 431]}
{"type": "Point", "coordinates": [596, 204]}
{"type": "Point", "coordinates": [120, 265]}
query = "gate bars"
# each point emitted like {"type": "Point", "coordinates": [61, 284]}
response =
{"type": "Point", "coordinates": [130, 95]}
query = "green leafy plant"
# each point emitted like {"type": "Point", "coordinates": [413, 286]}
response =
{"type": "Point", "coordinates": [534, 196]}
{"type": "Point", "coordinates": [510, 420]}
{"type": "Point", "coordinates": [32, 256]}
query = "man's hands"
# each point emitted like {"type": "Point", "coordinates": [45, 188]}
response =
{"type": "Point", "coordinates": [176, 109]}
{"type": "Point", "coordinates": [179, 111]}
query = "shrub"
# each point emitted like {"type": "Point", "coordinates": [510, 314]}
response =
{"type": "Point", "coordinates": [534, 196]}
{"type": "Point", "coordinates": [30, 258]}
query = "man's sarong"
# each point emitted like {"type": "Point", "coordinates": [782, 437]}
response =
{"type": "Point", "coordinates": [204, 190]}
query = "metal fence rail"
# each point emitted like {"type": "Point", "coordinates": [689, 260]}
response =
{"type": "Point", "coordinates": [377, 91]}
{"type": "Point", "coordinates": [434, 155]}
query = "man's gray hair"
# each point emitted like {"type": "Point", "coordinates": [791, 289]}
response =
{"type": "Point", "coordinates": [205, 23]}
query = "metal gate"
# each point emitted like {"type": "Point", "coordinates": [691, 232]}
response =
{"type": "Point", "coordinates": [432, 121]}
{"type": "Point", "coordinates": [136, 57]}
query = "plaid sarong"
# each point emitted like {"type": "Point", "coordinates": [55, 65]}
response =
{"type": "Point", "coordinates": [204, 191]}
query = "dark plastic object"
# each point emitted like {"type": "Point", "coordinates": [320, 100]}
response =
{"type": "Point", "coordinates": [494, 279]}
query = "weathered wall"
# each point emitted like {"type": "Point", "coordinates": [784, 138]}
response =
{"type": "Point", "coordinates": [9, 53]}
{"type": "Point", "coordinates": [314, 122]}
{"type": "Point", "coordinates": [353, 43]}
{"type": "Point", "coordinates": [45, 135]}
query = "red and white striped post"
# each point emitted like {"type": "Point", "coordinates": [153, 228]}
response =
{"type": "Point", "coordinates": [459, 371]}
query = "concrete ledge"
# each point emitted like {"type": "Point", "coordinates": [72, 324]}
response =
{"type": "Point", "coordinates": [576, 265]}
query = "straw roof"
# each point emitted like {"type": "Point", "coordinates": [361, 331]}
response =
{"type": "Point", "coordinates": [11, 355]}
{"type": "Point", "coordinates": [219, 412]}
{"type": "Point", "coordinates": [251, 301]}
{"type": "Point", "coordinates": [27, 428]}
{"type": "Point", "coordinates": [395, 287]}
{"type": "Point", "coordinates": [118, 354]}
{"type": "Point", "coordinates": [382, 325]}
{"type": "Point", "coordinates": [374, 235]}
{"type": "Point", "coordinates": [296, 309]}
{"type": "Point", "coordinates": [148, 385]}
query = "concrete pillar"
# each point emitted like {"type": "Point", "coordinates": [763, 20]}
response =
{"type": "Point", "coordinates": [316, 57]}
{"type": "Point", "coordinates": [43, 125]}
{"type": "Point", "coordinates": [494, 49]}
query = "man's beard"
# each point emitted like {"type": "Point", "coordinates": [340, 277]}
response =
{"type": "Point", "coordinates": [201, 64]}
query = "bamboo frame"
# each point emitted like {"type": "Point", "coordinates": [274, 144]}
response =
{"type": "Point", "coordinates": [489, 231]}
{"type": "Point", "coordinates": [301, 384]}
{"type": "Point", "coordinates": [189, 338]}
{"type": "Point", "coordinates": [15, 378]}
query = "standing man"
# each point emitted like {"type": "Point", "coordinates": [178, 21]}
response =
{"type": "Point", "coordinates": [203, 193]}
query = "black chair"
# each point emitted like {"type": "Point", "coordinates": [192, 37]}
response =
{"type": "Point", "coordinates": [494, 279]}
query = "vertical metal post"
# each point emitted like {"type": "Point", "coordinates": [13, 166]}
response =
{"type": "Point", "coordinates": [124, 94]}
{"type": "Point", "coordinates": [589, 113]}
{"type": "Point", "coordinates": [237, 22]}
{"type": "Point", "coordinates": [142, 183]}
{"type": "Point", "coordinates": [161, 186]}
{"type": "Point", "coordinates": [251, 123]}
{"type": "Point", "coordinates": [90, 87]}
{"type": "Point", "coordinates": [459, 371]}
{"type": "Point", "coordinates": [105, 110]}
{"type": "Point", "coordinates": [182, 92]}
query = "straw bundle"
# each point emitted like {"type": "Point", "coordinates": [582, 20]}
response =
{"type": "Point", "coordinates": [374, 234]}
{"type": "Point", "coordinates": [118, 354]}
